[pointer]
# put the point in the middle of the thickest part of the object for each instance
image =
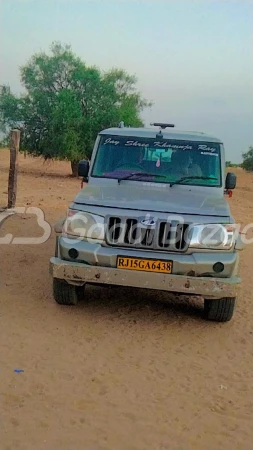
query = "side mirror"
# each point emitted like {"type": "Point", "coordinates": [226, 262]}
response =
{"type": "Point", "coordinates": [83, 168]}
{"type": "Point", "coordinates": [230, 181]}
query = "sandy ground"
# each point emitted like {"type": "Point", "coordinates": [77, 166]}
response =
{"type": "Point", "coordinates": [121, 370]}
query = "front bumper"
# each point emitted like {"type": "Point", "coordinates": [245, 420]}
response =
{"type": "Point", "coordinates": [197, 263]}
{"type": "Point", "coordinates": [80, 273]}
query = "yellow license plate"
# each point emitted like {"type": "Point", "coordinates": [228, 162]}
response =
{"type": "Point", "coordinates": [144, 265]}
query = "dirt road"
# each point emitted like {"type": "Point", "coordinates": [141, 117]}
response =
{"type": "Point", "coordinates": [122, 370]}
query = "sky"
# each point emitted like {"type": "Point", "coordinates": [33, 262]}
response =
{"type": "Point", "coordinates": [193, 58]}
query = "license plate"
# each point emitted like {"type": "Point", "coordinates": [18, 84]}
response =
{"type": "Point", "coordinates": [144, 265]}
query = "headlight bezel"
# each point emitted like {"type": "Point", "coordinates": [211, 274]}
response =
{"type": "Point", "coordinates": [227, 239]}
{"type": "Point", "coordinates": [84, 225]}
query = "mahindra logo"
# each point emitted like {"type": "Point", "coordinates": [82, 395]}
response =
{"type": "Point", "coordinates": [148, 222]}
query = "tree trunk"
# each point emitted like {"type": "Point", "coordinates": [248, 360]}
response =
{"type": "Point", "coordinates": [13, 171]}
{"type": "Point", "coordinates": [74, 168]}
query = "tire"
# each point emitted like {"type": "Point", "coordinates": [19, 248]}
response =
{"type": "Point", "coordinates": [220, 310]}
{"type": "Point", "coordinates": [66, 294]}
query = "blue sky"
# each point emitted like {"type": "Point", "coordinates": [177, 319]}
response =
{"type": "Point", "coordinates": [193, 58]}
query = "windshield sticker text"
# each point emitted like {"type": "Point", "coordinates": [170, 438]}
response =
{"type": "Point", "coordinates": [156, 144]}
{"type": "Point", "coordinates": [204, 148]}
{"type": "Point", "coordinates": [136, 144]}
{"type": "Point", "coordinates": [161, 144]}
{"type": "Point", "coordinates": [111, 141]}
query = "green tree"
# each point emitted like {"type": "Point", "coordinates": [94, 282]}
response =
{"type": "Point", "coordinates": [247, 163]}
{"type": "Point", "coordinates": [66, 103]}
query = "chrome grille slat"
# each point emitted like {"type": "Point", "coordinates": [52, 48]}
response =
{"type": "Point", "coordinates": [164, 235]}
{"type": "Point", "coordinates": [129, 233]}
{"type": "Point", "coordinates": [181, 235]}
{"type": "Point", "coordinates": [147, 236]}
{"type": "Point", "coordinates": [173, 235]}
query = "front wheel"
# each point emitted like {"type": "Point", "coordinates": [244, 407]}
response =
{"type": "Point", "coordinates": [66, 294]}
{"type": "Point", "coordinates": [220, 310]}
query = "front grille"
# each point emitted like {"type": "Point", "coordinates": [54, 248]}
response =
{"type": "Point", "coordinates": [130, 232]}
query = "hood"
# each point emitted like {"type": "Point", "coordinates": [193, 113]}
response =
{"type": "Point", "coordinates": [154, 199]}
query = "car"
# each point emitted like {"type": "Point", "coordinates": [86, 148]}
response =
{"type": "Point", "coordinates": [152, 214]}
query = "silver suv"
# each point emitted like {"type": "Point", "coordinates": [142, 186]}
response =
{"type": "Point", "coordinates": [152, 215]}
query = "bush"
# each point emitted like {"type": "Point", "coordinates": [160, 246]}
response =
{"type": "Point", "coordinates": [230, 164]}
{"type": "Point", "coordinates": [247, 163]}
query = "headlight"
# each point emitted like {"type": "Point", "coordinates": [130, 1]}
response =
{"type": "Point", "coordinates": [84, 225]}
{"type": "Point", "coordinates": [213, 236]}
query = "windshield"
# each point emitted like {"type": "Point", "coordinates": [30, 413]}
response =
{"type": "Point", "coordinates": [159, 161]}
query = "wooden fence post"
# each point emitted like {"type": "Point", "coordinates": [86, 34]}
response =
{"type": "Point", "coordinates": [13, 172]}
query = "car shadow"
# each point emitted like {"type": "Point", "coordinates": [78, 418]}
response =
{"type": "Point", "coordinates": [139, 304]}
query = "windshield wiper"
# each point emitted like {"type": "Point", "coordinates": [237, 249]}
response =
{"type": "Point", "coordinates": [140, 174]}
{"type": "Point", "coordinates": [191, 178]}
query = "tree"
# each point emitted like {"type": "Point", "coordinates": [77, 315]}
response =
{"type": "Point", "coordinates": [66, 103]}
{"type": "Point", "coordinates": [247, 163]}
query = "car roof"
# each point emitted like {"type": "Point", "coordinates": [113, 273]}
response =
{"type": "Point", "coordinates": [167, 134]}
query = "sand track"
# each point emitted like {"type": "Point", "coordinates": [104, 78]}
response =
{"type": "Point", "coordinates": [122, 370]}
